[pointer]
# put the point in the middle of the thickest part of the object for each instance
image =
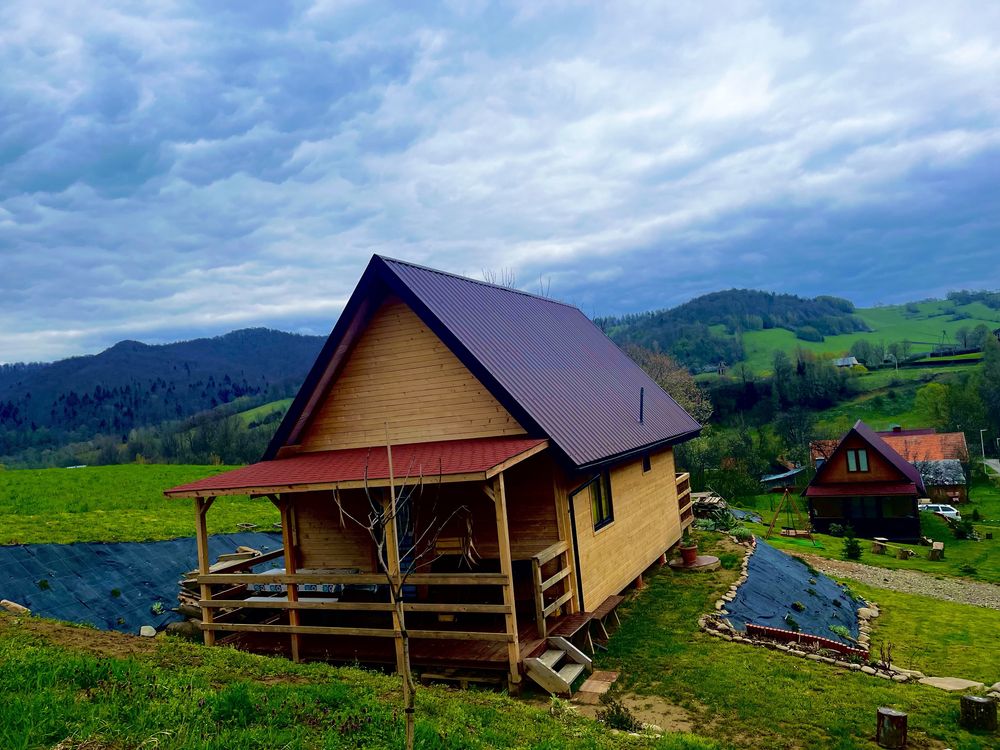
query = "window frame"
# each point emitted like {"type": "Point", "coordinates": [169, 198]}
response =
{"type": "Point", "coordinates": [857, 461]}
{"type": "Point", "coordinates": [647, 463]}
{"type": "Point", "coordinates": [602, 508]}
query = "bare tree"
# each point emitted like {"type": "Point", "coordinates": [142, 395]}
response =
{"type": "Point", "coordinates": [505, 277]}
{"type": "Point", "coordinates": [381, 523]}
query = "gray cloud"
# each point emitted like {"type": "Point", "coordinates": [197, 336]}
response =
{"type": "Point", "coordinates": [189, 168]}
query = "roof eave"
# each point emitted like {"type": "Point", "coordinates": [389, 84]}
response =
{"type": "Point", "coordinates": [632, 453]}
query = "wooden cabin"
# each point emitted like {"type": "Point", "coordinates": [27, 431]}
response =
{"type": "Point", "coordinates": [867, 485]}
{"type": "Point", "coordinates": [511, 415]}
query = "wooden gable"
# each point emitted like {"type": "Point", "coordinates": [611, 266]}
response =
{"type": "Point", "coordinates": [400, 372]}
{"type": "Point", "coordinates": [834, 470]}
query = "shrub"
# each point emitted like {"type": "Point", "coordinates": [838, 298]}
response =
{"type": "Point", "coordinates": [792, 623]}
{"type": "Point", "coordinates": [836, 529]}
{"type": "Point", "coordinates": [852, 547]}
{"type": "Point", "coordinates": [963, 529]}
{"type": "Point", "coordinates": [742, 534]}
{"type": "Point", "coordinates": [968, 570]}
{"type": "Point", "coordinates": [842, 631]}
{"type": "Point", "coordinates": [976, 515]}
{"type": "Point", "coordinates": [798, 606]}
{"type": "Point", "coordinates": [617, 715]}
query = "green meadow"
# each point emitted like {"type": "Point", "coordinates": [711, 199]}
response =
{"type": "Point", "coordinates": [933, 322]}
{"type": "Point", "coordinates": [122, 503]}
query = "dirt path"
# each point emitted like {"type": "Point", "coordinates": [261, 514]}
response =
{"type": "Point", "coordinates": [910, 582]}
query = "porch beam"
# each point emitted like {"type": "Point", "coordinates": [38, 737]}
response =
{"type": "Point", "coordinates": [507, 568]}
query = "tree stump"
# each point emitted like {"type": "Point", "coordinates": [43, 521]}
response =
{"type": "Point", "coordinates": [890, 728]}
{"type": "Point", "coordinates": [978, 713]}
{"type": "Point", "coordinates": [878, 545]}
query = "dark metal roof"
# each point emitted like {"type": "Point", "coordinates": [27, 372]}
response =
{"type": "Point", "coordinates": [545, 361]}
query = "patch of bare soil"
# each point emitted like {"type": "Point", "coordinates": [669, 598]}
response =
{"type": "Point", "coordinates": [649, 709]}
{"type": "Point", "coordinates": [97, 642]}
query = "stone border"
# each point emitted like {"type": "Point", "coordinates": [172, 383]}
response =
{"type": "Point", "coordinates": [716, 624]}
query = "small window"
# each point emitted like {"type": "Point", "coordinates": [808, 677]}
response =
{"type": "Point", "coordinates": [646, 464]}
{"type": "Point", "coordinates": [600, 501]}
{"type": "Point", "coordinates": [857, 460]}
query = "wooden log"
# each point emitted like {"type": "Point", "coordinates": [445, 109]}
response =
{"type": "Point", "coordinates": [978, 713]}
{"type": "Point", "coordinates": [890, 728]}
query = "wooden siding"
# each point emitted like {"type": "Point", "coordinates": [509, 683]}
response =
{"type": "Point", "coordinates": [879, 470]}
{"type": "Point", "coordinates": [402, 373]}
{"type": "Point", "coordinates": [322, 542]}
{"type": "Point", "coordinates": [646, 524]}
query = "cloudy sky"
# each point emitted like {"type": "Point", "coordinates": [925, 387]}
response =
{"type": "Point", "coordinates": [171, 169]}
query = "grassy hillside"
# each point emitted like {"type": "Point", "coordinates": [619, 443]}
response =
{"type": "Point", "coordinates": [113, 504]}
{"type": "Point", "coordinates": [924, 327]}
{"type": "Point", "coordinates": [79, 689]}
{"type": "Point", "coordinates": [266, 411]}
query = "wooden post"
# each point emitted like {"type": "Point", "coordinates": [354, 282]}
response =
{"type": "Point", "coordinates": [291, 567]}
{"type": "Point", "coordinates": [201, 506]}
{"type": "Point", "coordinates": [890, 730]}
{"type": "Point", "coordinates": [565, 535]}
{"type": "Point", "coordinates": [978, 713]}
{"type": "Point", "coordinates": [507, 569]}
{"type": "Point", "coordinates": [536, 580]}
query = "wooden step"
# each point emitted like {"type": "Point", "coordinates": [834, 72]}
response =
{"type": "Point", "coordinates": [551, 657]}
{"type": "Point", "coordinates": [570, 672]}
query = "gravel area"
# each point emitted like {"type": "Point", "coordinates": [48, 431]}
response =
{"type": "Point", "coordinates": [910, 582]}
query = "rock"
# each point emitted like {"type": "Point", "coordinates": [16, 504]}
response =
{"type": "Point", "coordinates": [866, 613]}
{"type": "Point", "coordinates": [17, 609]}
{"type": "Point", "coordinates": [147, 631]}
{"type": "Point", "coordinates": [995, 687]}
{"type": "Point", "coordinates": [900, 678]}
{"type": "Point", "coordinates": [868, 670]}
{"type": "Point", "coordinates": [952, 684]}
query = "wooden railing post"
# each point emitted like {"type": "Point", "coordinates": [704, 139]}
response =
{"type": "Point", "coordinates": [201, 506]}
{"type": "Point", "coordinates": [506, 568]}
{"type": "Point", "coordinates": [536, 575]}
{"type": "Point", "coordinates": [288, 543]}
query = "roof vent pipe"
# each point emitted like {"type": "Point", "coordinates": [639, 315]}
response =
{"type": "Point", "coordinates": [642, 399]}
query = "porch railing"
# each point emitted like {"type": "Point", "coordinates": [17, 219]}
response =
{"type": "Point", "coordinates": [232, 598]}
{"type": "Point", "coordinates": [684, 498]}
{"type": "Point", "coordinates": [543, 608]}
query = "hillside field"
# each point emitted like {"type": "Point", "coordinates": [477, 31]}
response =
{"type": "Point", "coordinates": [113, 504]}
{"type": "Point", "coordinates": [890, 323]}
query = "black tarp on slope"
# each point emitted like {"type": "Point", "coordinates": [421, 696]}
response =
{"type": "Point", "coordinates": [775, 582]}
{"type": "Point", "coordinates": [112, 586]}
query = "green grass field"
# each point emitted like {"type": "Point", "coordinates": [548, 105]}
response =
{"type": "Point", "coordinates": [84, 690]}
{"type": "Point", "coordinates": [889, 324]}
{"type": "Point", "coordinates": [113, 504]}
{"type": "Point", "coordinates": [751, 697]}
{"type": "Point", "coordinates": [264, 410]}
{"type": "Point", "coordinates": [962, 556]}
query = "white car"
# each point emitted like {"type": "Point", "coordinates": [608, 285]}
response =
{"type": "Point", "coordinates": [948, 511]}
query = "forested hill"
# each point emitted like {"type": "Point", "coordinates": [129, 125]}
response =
{"type": "Point", "coordinates": [705, 331]}
{"type": "Point", "coordinates": [134, 384]}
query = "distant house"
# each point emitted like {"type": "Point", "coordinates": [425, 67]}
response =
{"type": "Point", "coordinates": [866, 484]}
{"type": "Point", "coordinates": [938, 456]}
{"type": "Point", "coordinates": [846, 362]}
{"type": "Point", "coordinates": [550, 449]}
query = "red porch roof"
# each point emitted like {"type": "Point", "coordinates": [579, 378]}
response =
{"type": "Point", "coordinates": [441, 458]}
{"type": "Point", "coordinates": [861, 489]}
